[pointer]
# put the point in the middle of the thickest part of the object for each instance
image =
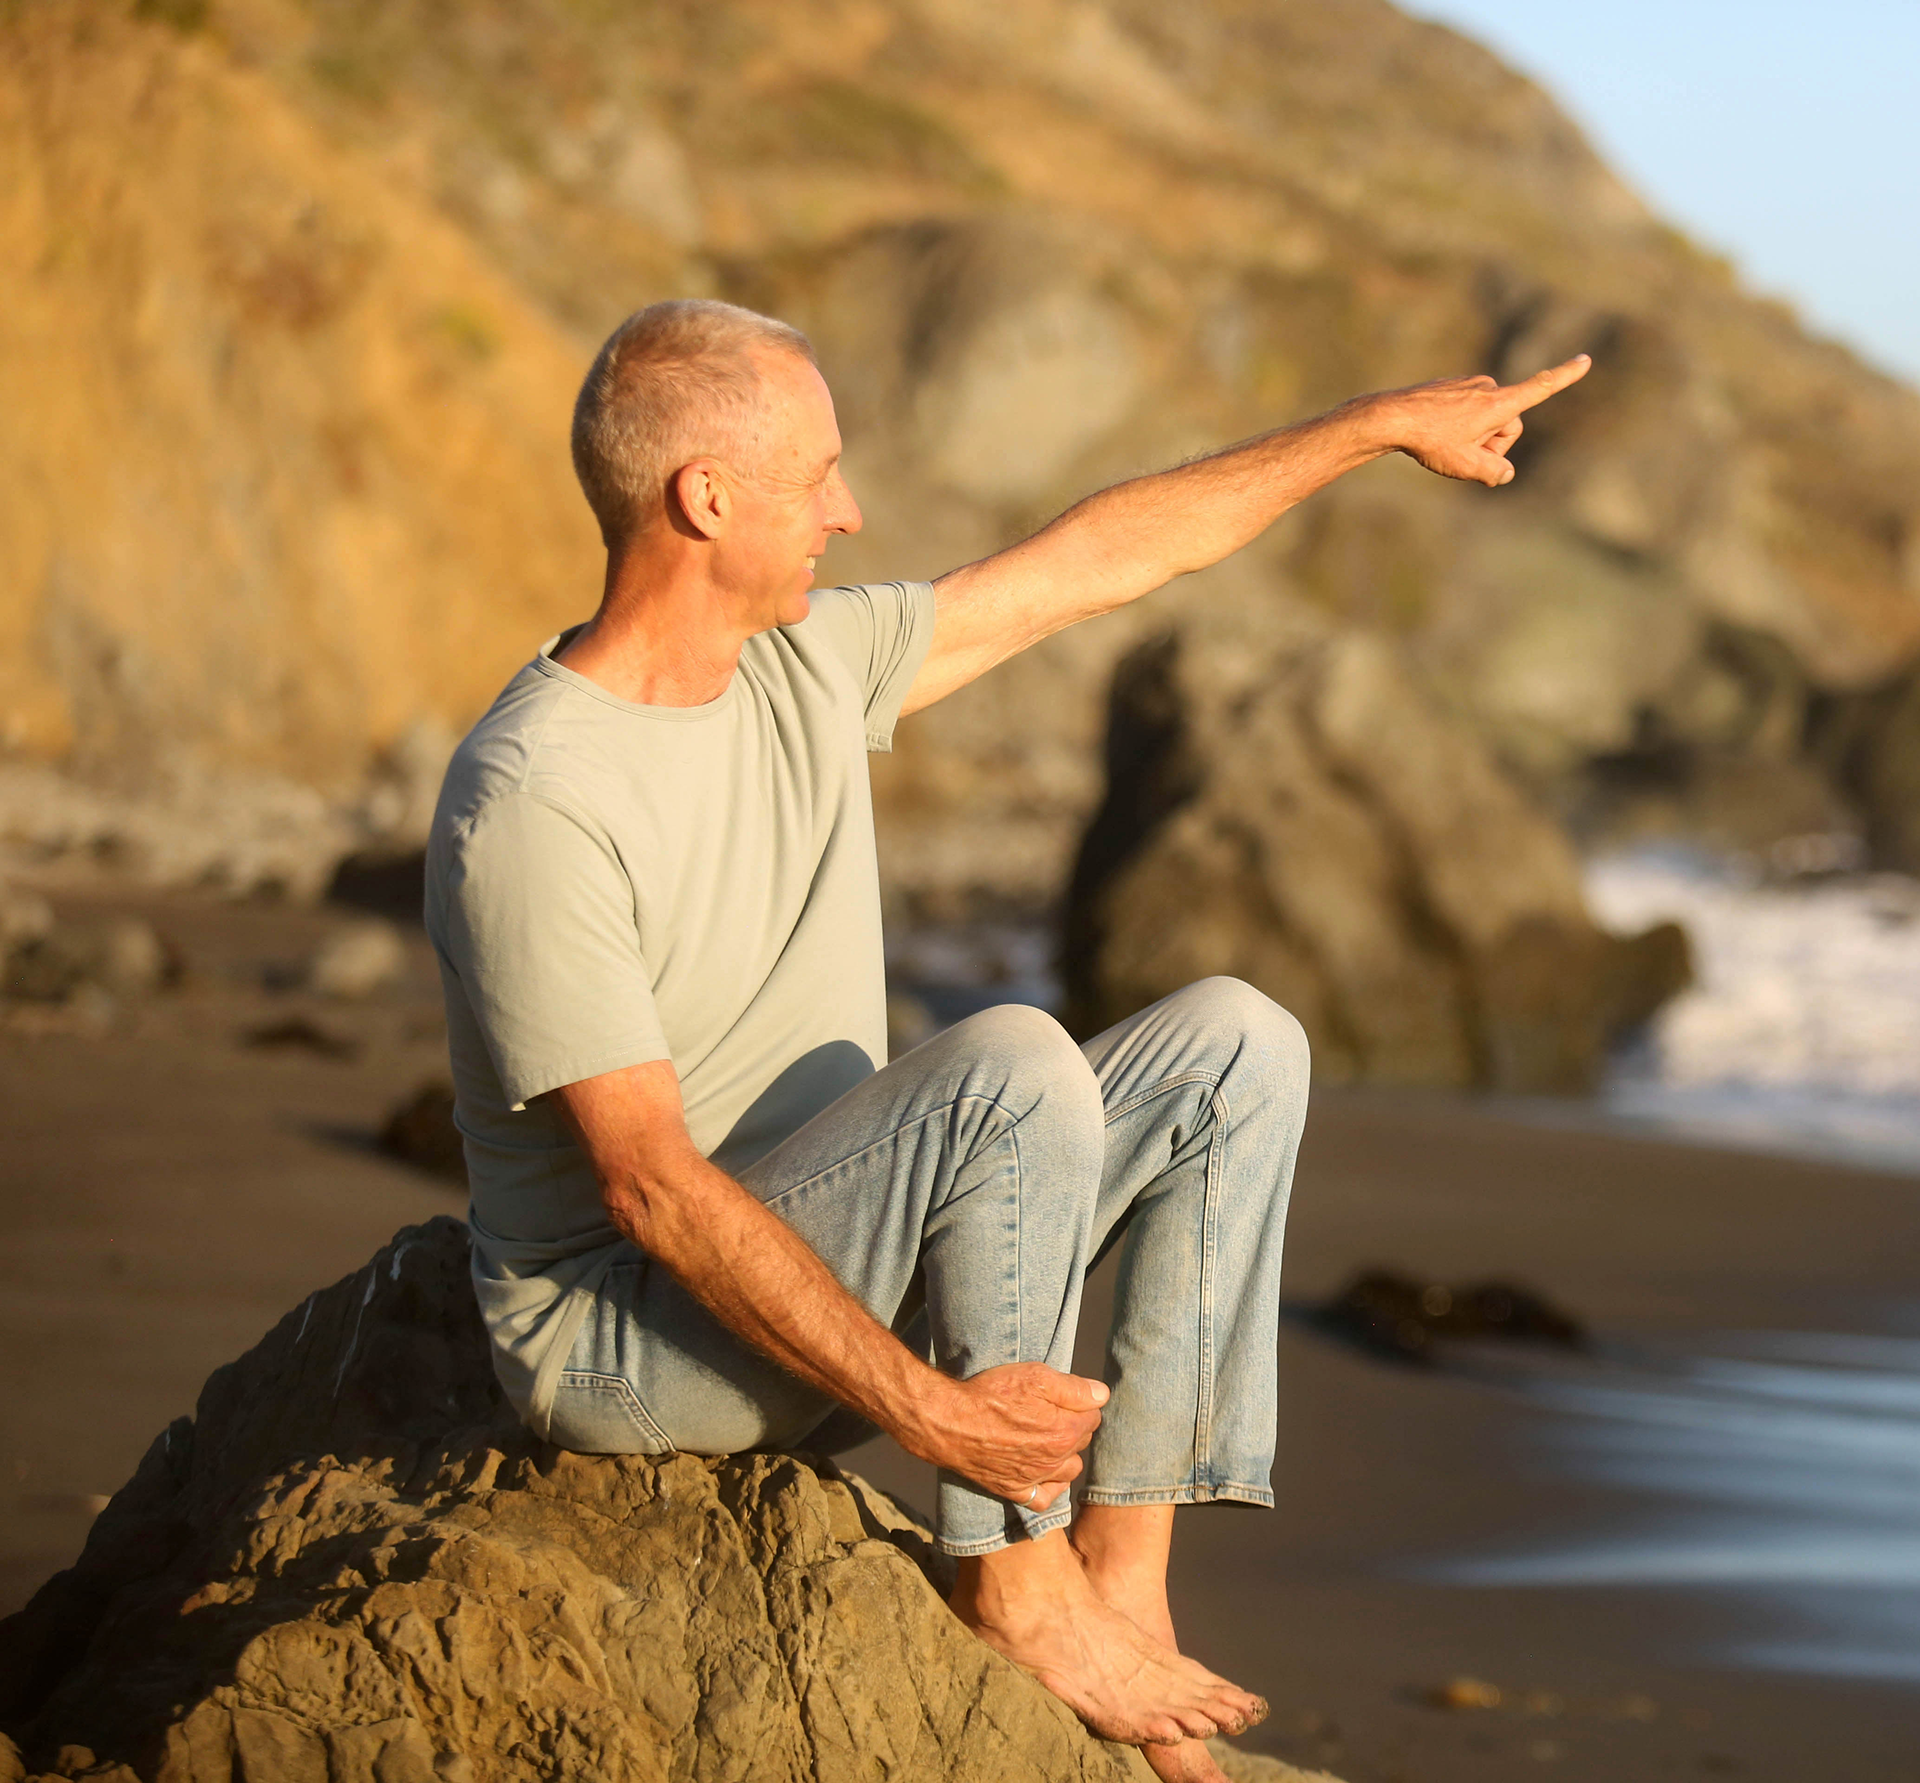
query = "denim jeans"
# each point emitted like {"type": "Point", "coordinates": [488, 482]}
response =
{"type": "Point", "coordinates": [961, 1195]}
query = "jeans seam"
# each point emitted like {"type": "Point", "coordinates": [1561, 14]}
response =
{"type": "Point", "coordinates": [1195, 1492]}
{"type": "Point", "coordinates": [1143, 1097]}
{"type": "Point", "coordinates": [1209, 1244]}
{"type": "Point", "coordinates": [891, 1137]}
{"type": "Point", "coordinates": [591, 1380]}
{"type": "Point", "coordinates": [1016, 1216]}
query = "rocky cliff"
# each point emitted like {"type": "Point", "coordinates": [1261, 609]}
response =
{"type": "Point", "coordinates": [353, 1564]}
{"type": "Point", "coordinates": [299, 289]}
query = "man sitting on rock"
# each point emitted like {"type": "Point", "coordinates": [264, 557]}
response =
{"type": "Point", "coordinates": [706, 1214]}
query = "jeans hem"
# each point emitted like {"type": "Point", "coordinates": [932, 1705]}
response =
{"type": "Point", "coordinates": [992, 1544]}
{"type": "Point", "coordinates": [1220, 1492]}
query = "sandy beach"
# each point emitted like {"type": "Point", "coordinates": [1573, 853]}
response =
{"type": "Point", "coordinates": [168, 1193]}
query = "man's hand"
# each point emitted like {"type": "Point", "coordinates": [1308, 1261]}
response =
{"type": "Point", "coordinates": [1017, 1430]}
{"type": "Point", "coordinates": [1464, 427]}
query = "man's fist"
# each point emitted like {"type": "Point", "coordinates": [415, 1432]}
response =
{"type": "Point", "coordinates": [1017, 1430]}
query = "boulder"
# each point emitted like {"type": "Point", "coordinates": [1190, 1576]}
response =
{"type": "Point", "coordinates": [353, 1563]}
{"type": "Point", "coordinates": [358, 960]}
{"type": "Point", "coordinates": [1295, 809]}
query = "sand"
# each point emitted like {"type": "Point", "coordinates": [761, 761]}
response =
{"type": "Point", "coordinates": [168, 1193]}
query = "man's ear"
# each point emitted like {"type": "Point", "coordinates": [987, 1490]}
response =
{"type": "Point", "coordinates": [699, 499]}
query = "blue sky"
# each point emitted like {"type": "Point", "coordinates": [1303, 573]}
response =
{"type": "Point", "coordinates": [1786, 135]}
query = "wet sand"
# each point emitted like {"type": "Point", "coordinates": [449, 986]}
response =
{"type": "Point", "coordinates": [167, 1194]}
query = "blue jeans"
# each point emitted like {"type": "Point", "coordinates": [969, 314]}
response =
{"type": "Point", "coordinates": [961, 1195]}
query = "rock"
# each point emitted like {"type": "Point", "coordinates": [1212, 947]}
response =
{"type": "Point", "coordinates": [1293, 808]}
{"type": "Point", "coordinates": [132, 959]}
{"type": "Point", "coordinates": [59, 962]}
{"type": "Point", "coordinates": [1254, 1767]}
{"type": "Point", "coordinates": [1465, 1693]}
{"type": "Point", "coordinates": [1393, 1315]}
{"type": "Point", "coordinates": [1873, 741]}
{"type": "Point", "coordinates": [298, 1033]}
{"type": "Point", "coordinates": [353, 1563]}
{"type": "Point", "coordinates": [25, 916]}
{"type": "Point", "coordinates": [420, 1131]}
{"type": "Point", "coordinates": [358, 961]}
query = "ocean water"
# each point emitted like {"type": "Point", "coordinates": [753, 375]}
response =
{"type": "Point", "coordinates": [1777, 1470]}
{"type": "Point", "coordinates": [1802, 1032]}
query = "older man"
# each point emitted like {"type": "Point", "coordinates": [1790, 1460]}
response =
{"type": "Point", "coordinates": [706, 1213]}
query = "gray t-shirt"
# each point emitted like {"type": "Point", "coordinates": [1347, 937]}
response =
{"type": "Point", "coordinates": [610, 883]}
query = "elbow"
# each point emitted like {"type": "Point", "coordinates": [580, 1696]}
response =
{"type": "Point", "coordinates": [634, 1208]}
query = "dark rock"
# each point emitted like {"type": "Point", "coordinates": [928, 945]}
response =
{"type": "Point", "coordinates": [298, 1033]}
{"type": "Point", "coordinates": [1295, 809]}
{"type": "Point", "coordinates": [1397, 1316]}
{"type": "Point", "coordinates": [420, 1131]}
{"type": "Point", "coordinates": [122, 956]}
{"type": "Point", "coordinates": [1872, 740]}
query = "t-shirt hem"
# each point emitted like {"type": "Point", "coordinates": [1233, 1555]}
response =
{"type": "Point", "coordinates": [522, 1090]}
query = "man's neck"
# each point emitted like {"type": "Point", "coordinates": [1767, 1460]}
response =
{"type": "Point", "coordinates": [656, 641]}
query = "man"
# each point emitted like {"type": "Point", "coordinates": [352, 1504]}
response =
{"type": "Point", "coordinates": [704, 1217]}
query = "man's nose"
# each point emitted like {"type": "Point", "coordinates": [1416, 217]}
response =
{"type": "Point", "coordinates": [843, 512]}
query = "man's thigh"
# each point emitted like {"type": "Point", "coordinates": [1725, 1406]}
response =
{"type": "Point", "coordinates": [653, 1369]}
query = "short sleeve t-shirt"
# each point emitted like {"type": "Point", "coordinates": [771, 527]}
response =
{"type": "Point", "coordinates": [611, 883]}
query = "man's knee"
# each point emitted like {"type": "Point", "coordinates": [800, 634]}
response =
{"type": "Point", "coordinates": [1032, 1051]}
{"type": "Point", "coordinates": [1231, 1011]}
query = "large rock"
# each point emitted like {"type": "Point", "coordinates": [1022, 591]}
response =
{"type": "Point", "coordinates": [1294, 809]}
{"type": "Point", "coordinates": [353, 1564]}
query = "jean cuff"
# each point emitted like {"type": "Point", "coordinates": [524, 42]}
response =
{"type": "Point", "coordinates": [1037, 1523]}
{"type": "Point", "coordinates": [1214, 1492]}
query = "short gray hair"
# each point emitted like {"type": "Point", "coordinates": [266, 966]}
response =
{"type": "Point", "coordinates": [676, 381]}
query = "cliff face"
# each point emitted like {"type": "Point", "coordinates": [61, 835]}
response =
{"type": "Point", "coordinates": [298, 294]}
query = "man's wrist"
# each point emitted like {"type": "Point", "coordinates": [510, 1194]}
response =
{"type": "Point", "coordinates": [925, 1409]}
{"type": "Point", "coordinates": [1372, 425]}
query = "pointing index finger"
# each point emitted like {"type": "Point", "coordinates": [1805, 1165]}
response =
{"type": "Point", "coordinates": [1541, 385]}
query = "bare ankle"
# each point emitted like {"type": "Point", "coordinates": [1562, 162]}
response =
{"type": "Point", "coordinates": [1017, 1583]}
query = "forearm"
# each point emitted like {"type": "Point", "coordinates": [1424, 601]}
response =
{"type": "Point", "coordinates": [761, 1280]}
{"type": "Point", "coordinates": [1135, 537]}
{"type": "Point", "coordinates": [1126, 541]}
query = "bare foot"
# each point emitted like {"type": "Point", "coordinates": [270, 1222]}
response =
{"type": "Point", "coordinates": [1033, 1603]}
{"type": "Point", "coordinates": [1126, 1566]}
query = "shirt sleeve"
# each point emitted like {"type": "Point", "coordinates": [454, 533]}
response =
{"type": "Point", "coordinates": [540, 928]}
{"type": "Point", "coordinates": [882, 633]}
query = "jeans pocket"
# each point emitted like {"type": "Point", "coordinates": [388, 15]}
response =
{"type": "Point", "coordinates": [600, 1414]}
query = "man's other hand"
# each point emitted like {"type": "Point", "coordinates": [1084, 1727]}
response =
{"type": "Point", "coordinates": [1017, 1430]}
{"type": "Point", "coordinates": [1464, 427]}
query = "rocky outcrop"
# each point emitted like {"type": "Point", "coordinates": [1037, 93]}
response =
{"type": "Point", "coordinates": [353, 1564]}
{"type": "Point", "coordinates": [1290, 808]}
{"type": "Point", "coordinates": [286, 492]}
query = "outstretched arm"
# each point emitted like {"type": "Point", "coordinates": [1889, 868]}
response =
{"type": "Point", "coordinates": [1130, 539]}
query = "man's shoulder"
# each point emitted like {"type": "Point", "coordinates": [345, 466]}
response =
{"type": "Point", "coordinates": [510, 754]}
